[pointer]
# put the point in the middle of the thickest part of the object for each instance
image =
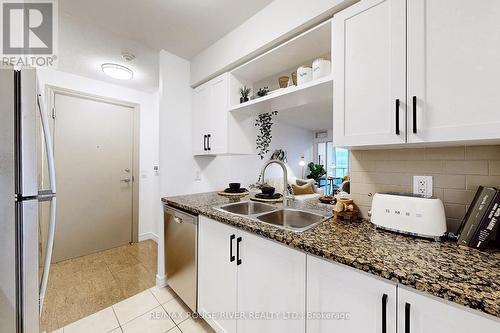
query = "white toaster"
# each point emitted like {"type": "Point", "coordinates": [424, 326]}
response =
{"type": "Point", "coordinates": [409, 213]}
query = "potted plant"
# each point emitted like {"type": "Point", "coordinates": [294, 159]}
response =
{"type": "Point", "coordinates": [263, 92]}
{"type": "Point", "coordinates": [244, 92]}
{"type": "Point", "coordinates": [316, 171]}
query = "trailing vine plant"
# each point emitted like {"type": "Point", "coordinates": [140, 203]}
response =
{"type": "Point", "coordinates": [264, 122]}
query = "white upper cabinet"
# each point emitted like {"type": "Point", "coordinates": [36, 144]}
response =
{"type": "Point", "coordinates": [454, 70]}
{"type": "Point", "coordinates": [369, 73]}
{"type": "Point", "coordinates": [361, 303]}
{"type": "Point", "coordinates": [215, 130]}
{"type": "Point", "coordinates": [439, 58]}
{"type": "Point", "coordinates": [425, 314]}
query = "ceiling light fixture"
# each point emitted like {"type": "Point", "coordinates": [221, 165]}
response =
{"type": "Point", "coordinates": [117, 71]}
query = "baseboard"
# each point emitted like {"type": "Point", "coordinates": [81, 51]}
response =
{"type": "Point", "coordinates": [161, 281]}
{"type": "Point", "coordinates": [148, 235]}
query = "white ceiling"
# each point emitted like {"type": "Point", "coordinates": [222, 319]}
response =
{"type": "Point", "coordinates": [95, 31]}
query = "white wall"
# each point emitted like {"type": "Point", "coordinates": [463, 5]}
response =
{"type": "Point", "coordinates": [278, 21]}
{"type": "Point", "coordinates": [148, 186]}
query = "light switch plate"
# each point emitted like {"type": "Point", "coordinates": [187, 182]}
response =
{"type": "Point", "coordinates": [422, 185]}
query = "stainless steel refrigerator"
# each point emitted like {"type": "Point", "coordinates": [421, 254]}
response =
{"type": "Point", "coordinates": [25, 249]}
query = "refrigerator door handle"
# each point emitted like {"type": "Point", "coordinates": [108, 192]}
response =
{"type": "Point", "coordinates": [53, 203]}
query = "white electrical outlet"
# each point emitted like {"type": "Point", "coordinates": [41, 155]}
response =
{"type": "Point", "coordinates": [422, 185]}
{"type": "Point", "coordinates": [197, 176]}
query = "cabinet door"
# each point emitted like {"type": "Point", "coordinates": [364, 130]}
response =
{"type": "Point", "coordinates": [219, 102]}
{"type": "Point", "coordinates": [353, 300]}
{"type": "Point", "coordinates": [271, 281]}
{"type": "Point", "coordinates": [368, 55]}
{"type": "Point", "coordinates": [427, 314]}
{"type": "Point", "coordinates": [216, 274]}
{"type": "Point", "coordinates": [453, 70]}
{"type": "Point", "coordinates": [201, 117]}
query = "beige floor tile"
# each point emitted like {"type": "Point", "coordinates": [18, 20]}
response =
{"type": "Point", "coordinates": [155, 321]}
{"type": "Point", "coordinates": [175, 330]}
{"type": "Point", "coordinates": [195, 326]}
{"type": "Point", "coordinates": [82, 286]}
{"type": "Point", "coordinates": [134, 279]}
{"type": "Point", "coordinates": [102, 321]}
{"type": "Point", "coordinates": [119, 258]}
{"type": "Point", "coordinates": [135, 306]}
{"type": "Point", "coordinates": [163, 294]}
{"type": "Point", "coordinates": [177, 310]}
{"type": "Point", "coordinates": [117, 330]}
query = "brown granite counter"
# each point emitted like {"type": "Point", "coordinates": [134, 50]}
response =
{"type": "Point", "coordinates": [443, 269]}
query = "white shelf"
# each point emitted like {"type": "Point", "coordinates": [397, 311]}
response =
{"type": "Point", "coordinates": [311, 93]}
{"type": "Point", "coordinates": [310, 44]}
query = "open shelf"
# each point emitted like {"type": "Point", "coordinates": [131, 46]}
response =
{"type": "Point", "coordinates": [312, 93]}
{"type": "Point", "coordinates": [310, 44]}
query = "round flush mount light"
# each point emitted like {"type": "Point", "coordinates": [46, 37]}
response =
{"type": "Point", "coordinates": [117, 71]}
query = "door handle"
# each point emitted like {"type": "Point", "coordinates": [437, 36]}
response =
{"type": "Point", "coordinates": [407, 317]}
{"type": "Point", "coordinates": [126, 180]}
{"type": "Point", "coordinates": [208, 142]}
{"type": "Point", "coordinates": [397, 116]}
{"type": "Point", "coordinates": [231, 256]}
{"type": "Point", "coordinates": [384, 313]}
{"type": "Point", "coordinates": [414, 107]}
{"type": "Point", "coordinates": [205, 142]}
{"type": "Point", "coordinates": [238, 259]}
{"type": "Point", "coordinates": [177, 219]}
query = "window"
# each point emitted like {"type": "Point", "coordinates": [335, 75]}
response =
{"type": "Point", "coordinates": [336, 162]}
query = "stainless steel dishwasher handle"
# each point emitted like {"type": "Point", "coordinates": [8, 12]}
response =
{"type": "Point", "coordinates": [177, 219]}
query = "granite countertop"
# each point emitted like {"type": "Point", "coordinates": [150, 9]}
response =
{"type": "Point", "coordinates": [443, 269]}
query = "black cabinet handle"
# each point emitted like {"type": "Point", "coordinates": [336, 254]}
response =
{"type": "Point", "coordinates": [205, 142]}
{"type": "Point", "coordinates": [407, 317]}
{"type": "Point", "coordinates": [414, 105]}
{"type": "Point", "coordinates": [397, 116]}
{"type": "Point", "coordinates": [384, 313]}
{"type": "Point", "coordinates": [208, 142]}
{"type": "Point", "coordinates": [231, 257]}
{"type": "Point", "coordinates": [238, 260]}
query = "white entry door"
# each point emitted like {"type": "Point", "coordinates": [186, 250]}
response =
{"type": "Point", "coordinates": [93, 147]}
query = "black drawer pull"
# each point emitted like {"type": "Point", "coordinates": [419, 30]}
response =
{"type": "Point", "coordinates": [208, 142]}
{"type": "Point", "coordinates": [231, 257]}
{"type": "Point", "coordinates": [407, 318]}
{"type": "Point", "coordinates": [414, 106]}
{"type": "Point", "coordinates": [238, 259]}
{"type": "Point", "coordinates": [397, 116]}
{"type": "Point", "coordinates": [205, 142]}
{"type": "Point", "coordinates": [384, 313]}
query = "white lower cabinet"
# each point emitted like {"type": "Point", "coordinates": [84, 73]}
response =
{"type": "Point", "coordinates": [272, 284]}
{"type": "Point", "coordinates": [259, 281]}
{"type": "Point", "coordinates": [343, 300]}
{"type": "Point", "coordinates": [216, 274]}
{"type": "Point", "coordinates": [425, 314]}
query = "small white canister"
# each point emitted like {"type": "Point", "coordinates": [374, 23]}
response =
{"type": "Point", "coordinates": [304, 74]}
{"type": "Point", "coordinates": [320, 68]}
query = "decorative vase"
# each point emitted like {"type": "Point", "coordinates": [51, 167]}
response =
{"type": "Point", "coordinates": [243, 99]}
{"type": "Point", "coordinates": [294, 78]}
{"type": "Point", "coordinates": [283, 81]}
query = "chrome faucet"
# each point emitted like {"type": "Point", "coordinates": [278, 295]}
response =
{"type": "Point", "coordinates": [285, 179]}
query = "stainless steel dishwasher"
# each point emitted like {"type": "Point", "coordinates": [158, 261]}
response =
{"type": "Point", "coordinates": [181, 253]}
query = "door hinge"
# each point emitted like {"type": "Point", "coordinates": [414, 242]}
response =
{"type": "Point", "coordinates": [53, 113]}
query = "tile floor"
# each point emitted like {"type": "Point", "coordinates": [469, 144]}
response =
{"type": "Point", "coordinates": [86, 285]}
{"type": "Point", "coordinates": [156, 310]}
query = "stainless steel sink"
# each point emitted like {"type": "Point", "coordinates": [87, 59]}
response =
{"type": "Point", "coordinates": [247, 208]}
{"type": "Point", "coordinates": [293, 219]}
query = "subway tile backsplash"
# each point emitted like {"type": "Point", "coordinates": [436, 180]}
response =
{"type": "Point", "coordinates": [456, 171]}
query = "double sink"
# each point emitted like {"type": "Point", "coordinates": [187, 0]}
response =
{"type": "Point", "coordinates": [286, 218]}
